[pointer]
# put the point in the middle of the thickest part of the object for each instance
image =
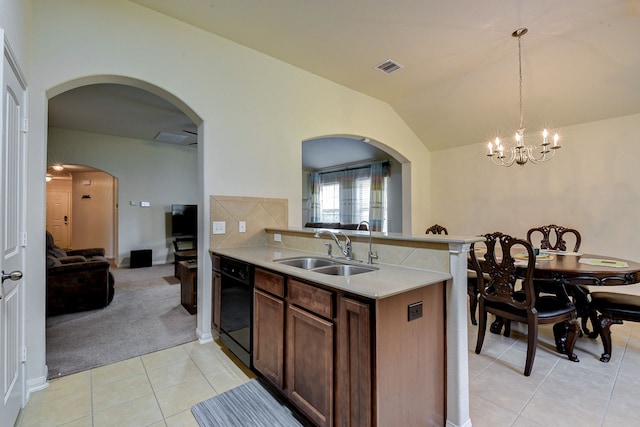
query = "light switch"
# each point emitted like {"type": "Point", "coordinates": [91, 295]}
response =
{"type": "Point", "coordinates": [145, 204]}
{"type": "Point", "coordinates": [133, 203]}
{"type": "Point", "coordinates": [242, 226]}
{"type": "Point", "coordinates": [219, 227]}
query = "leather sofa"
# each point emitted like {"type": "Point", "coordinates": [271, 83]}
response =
{"type": "Point", "coordinates": [77, 280]}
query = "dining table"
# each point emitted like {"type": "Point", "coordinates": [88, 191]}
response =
{"type": "Point", "coordinates": [568, 272]}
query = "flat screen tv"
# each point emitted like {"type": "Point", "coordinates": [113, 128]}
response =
{"type": "Point", "coordinates": [184, 220]}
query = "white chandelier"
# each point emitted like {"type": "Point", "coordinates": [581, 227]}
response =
{"type": "Point", "coordinates": [521, 153]}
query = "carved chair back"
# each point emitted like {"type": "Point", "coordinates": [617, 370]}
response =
{"type": "Point", "coordinates": [553, 237]}
{"type": "Point", "coordinates": [436, 229]}
{"type": "Point", "coordinates": [499, 266]}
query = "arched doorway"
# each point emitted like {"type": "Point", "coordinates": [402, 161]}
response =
{"type": "Point", "coordinates": [329, 154]}
{"type": "Point", "coordinates": [81, 208]}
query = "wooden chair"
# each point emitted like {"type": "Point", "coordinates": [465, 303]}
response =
{"type": "Point", "coordinates": [184, 250]}
{"type": "Point", "coordinates": [613, 309]}
{"type": "Point", "coordinates": [552, 237]}
{"type": "Point", "coordinates": [501, 297]}
{"type": "Point", "coordinates": [436, 229]}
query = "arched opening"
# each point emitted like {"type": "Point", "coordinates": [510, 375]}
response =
{"type": "Point", "coordinates": [331, 155]}
{"type": "Point", "coordinates": [81, 208]}
{"type": "Point", "coordinates": [148, 139]}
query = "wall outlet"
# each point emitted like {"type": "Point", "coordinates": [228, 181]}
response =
{"type": "Point", "coordinates": [277, 237]}
{"type": "Point", "coordinates": [415, 311]}
{"type": "Point", "coordinates": [242, 226]}
{"type": "Point", "coordinates": [218, 227]}
{"type": "Point", "coordinates": [145, 204]}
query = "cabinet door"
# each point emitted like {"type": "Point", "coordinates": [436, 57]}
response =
{"type": "Point", "coordinates": [268, 337]}
{"type": "Point", "coordinates": [310, 364]}
{"type": "Point", "coordinates": [353, 365]}
{"type": "Point", "coordinates": [215, 300]}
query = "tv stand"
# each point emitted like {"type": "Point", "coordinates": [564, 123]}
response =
{"type": "Point", "coordinates": [186, 249]}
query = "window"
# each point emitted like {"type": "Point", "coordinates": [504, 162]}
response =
{"type": "Point", "coordinates": [344, 196]}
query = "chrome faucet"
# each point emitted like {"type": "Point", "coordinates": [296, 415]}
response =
{"type": "Point", "coordinates": [370, 256]}
{"type": "Point", "coordinates": [346, 250]}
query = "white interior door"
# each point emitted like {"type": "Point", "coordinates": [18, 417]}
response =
{"type": "Point", "coordinates": [58, 216]}
{"type": "Point", "coordinates": [12, 157]}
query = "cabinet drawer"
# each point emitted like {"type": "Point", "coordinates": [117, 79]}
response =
{"type": "Point", "coordinates": [215, 260]}
{"type": "Point", "coordinates": [312, 298]}
{"type": "Point", "coordinates": [270, 282]}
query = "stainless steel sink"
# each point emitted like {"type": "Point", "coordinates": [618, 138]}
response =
{"type": "Point", "coordinates": [325, 266]}
{"type": "Point", "coordinates": [306, 263]}
{"type": "Point", "coordinates": [344, 269]}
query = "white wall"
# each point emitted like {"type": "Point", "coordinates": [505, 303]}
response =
{"type": "Point", "coordinates": [591, 185]}
{"type": "Point", "coordinates": [14, 20]}
{"type": "Point", "coordinates": [255, 110]}
{"type": "Point", "coordinates": [161, 174]}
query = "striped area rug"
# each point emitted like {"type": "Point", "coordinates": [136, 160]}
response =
{"type": "Point", "coordinates": [248, 405]}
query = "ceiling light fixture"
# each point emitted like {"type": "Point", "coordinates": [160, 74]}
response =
{"type": "Point", "coordinates": [521, 153]}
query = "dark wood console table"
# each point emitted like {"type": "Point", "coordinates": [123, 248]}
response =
{"type": "Point", "coordinates": [189, 285]}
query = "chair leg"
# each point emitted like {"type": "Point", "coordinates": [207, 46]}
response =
{"type": "Point", "coordinates": [472, 291]}
{"type": "Point", "coordinates": [581, 301]}
{"type": "Point", "coordinates": [573, 331]}
{"type": "Point", "coordinates": [482, 328]}
{"type": "Point", "coordinates": [532, 344]}
{"type": "Point", "coordinates": [605, 335]}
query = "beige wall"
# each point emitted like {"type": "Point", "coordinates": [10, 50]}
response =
{"type": "Point", "coordinates": [253, 113]}
{"type": "Point", "coordinates": [591, 185]}
{"type": "Point", "coordinates": [92, 218]}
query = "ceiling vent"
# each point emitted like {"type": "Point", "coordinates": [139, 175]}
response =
{"type": "Point", "coordinates": [389, 66]}
{"type": "Point", "coordinates": [171, 138]}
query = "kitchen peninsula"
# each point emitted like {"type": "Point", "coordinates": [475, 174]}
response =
{"type": "Point", "coordinates": [399, 353]}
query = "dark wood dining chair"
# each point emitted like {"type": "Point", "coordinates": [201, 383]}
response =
{"type": "Point", "coordinates": [612, 309]}
{"type": "Point", "coordinates": [436, 229]}
{"type": "Point", "coordinates": [502, 296]}
{"type": "Point", "coordinates": [554, 237]}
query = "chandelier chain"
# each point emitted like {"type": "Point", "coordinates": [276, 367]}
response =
{"type": "Point", "coordinates": [520, 81]}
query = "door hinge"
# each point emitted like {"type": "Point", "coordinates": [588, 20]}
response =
{"type": "Point", "coordinates": [24, 239]}
{"type": "Point", "coordinates": [24, 354]}
{"type": "Point", "coordinates": [25, 125]}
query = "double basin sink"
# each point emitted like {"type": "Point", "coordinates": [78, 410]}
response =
{"type": "Point", "coordinates": [325, 266]}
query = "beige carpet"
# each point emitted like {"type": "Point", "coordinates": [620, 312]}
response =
{"type": "Point", "coordinates": [144, 316]}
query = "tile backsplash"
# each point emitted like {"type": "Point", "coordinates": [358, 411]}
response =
{"type": "Point", "coordinates": [258, 213]}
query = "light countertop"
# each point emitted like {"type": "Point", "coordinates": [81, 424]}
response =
{"type": "Point", "coordinates": [387, 281]}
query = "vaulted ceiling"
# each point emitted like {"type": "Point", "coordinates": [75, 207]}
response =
{"type": "Point", "coordinates": [458, 83]}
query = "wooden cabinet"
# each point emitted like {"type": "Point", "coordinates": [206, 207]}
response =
{"type": "Point", "coordinates": [310, 364]}
{"type": "Point", "coordinates": [347, 360]}
{"type": "Point", "coordinates": [268, 326]}
{"type": "Point", "coordinates": [353, 365]}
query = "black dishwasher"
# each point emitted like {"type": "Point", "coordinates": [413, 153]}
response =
{"type": "Point", "coordinates": [236, 308]}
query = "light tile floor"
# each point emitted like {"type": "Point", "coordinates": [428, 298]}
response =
{"type": "Point", "coordinates": [159, 389]}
